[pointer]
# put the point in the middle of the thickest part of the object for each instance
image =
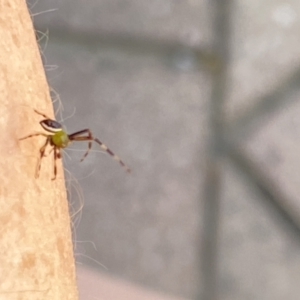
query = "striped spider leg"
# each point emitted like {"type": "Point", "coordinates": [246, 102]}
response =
{"type": "Point", "coordinates": [86, 135]}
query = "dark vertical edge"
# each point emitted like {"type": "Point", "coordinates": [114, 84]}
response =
{"type": "Point", "coordinates": [211, 207]}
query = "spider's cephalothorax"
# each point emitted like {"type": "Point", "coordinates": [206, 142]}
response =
{"type": "Point", "coordinates": [59, 139]}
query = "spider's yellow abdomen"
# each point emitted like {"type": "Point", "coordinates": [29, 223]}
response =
{"type": "Point", "coordinates": [60, 139]}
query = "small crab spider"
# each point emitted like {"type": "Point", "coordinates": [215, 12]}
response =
{"type": "Point", "coordinates": [59, 139]}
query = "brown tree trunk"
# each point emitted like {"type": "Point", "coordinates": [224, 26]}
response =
{"type": "Point", "coordinates": [36, 255]}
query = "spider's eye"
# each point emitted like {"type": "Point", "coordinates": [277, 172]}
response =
{"type": "Point", "coordinates": [51, 125]}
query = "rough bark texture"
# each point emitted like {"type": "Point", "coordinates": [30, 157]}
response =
{"type": "Point", "coordinates": [36, 255]}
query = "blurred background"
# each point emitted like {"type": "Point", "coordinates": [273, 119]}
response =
{"type": "Point", "coordinates": [200, 99]}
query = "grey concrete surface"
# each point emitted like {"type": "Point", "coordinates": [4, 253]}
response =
{"type": "Point", "coordinates": [259, 257]}
{"type": "Point", "coordinates": [187, 22]}
{"type": "Point", "coordinates": [265, 50]}
{"type": "Point", "coordinates": [138, 75]}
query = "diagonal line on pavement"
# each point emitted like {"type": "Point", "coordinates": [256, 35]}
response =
{"type": "Point", "coordinates": [268, 105]}
{"type": "Point", "coordinates": [272, 194]}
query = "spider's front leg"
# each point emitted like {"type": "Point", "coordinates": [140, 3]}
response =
{"type": "Point", "coordinates": [77, 136]}
{"type": "Point", "coordinates": [41, 114]}
{"type": "Point", "coordinates": [32, 135]}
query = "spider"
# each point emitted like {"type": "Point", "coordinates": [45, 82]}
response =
{"type": "Point", "coordinates": [59, 139]}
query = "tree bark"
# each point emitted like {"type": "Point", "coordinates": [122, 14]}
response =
{"type": "Point", "coordinates": [36, 252]}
